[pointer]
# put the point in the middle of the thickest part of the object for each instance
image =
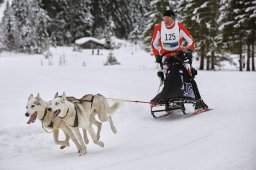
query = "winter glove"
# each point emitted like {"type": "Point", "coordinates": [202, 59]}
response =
{"type": "Point", "coordinates": [193, 72]}
{"type": "Point", "coordinates": [160, 74]}
{"type": "Point", "coordinates": [189, 56]}
{"type": "Point", "coordinates": [159, 59]}
{"type": "Point", "coordinates": [181, 56]}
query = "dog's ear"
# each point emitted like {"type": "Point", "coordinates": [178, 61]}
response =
{"type": "Point", "coordinates": [30, 97]}
{"type": "Point", "coordinates": [64, 95]}
{"type": "Point", "coordinates": [56, 95]}
{"type": "Point", "coordinates": [37, 102]}
{"type": "Point", "coordinates": [38, 98]}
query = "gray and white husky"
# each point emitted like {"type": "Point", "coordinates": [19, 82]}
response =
{"type": "Point", "coordinates": [37, 108]}
{"type": "Point", "coordinates": [100, 113]}
{"type": "Point", "coordinates": [81, 113]}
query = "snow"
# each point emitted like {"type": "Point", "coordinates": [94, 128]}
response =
{"type": "Point", "coordinates": [2, 8]}
{"type": "Point", "coordinates": [86, 39]}
{"type": "Point", "coordinates": [220, 139]}
{"type": "Point", "coordinates": [204, 5]}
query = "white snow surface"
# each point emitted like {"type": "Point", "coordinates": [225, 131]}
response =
{"type": "Point", "coordinates": [86, 39]}
{"type": "Point", "coordinates": [222, 139]}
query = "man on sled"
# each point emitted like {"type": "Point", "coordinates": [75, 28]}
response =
{"type": "Point", "coordinates": [167, 45]}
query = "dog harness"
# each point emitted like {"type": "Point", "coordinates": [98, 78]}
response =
{"type": "Point", "coordinates": [44, 114]}
{"type": "Point", "coordinates": [76, 116]}
{"type": "Point", "coordinates": [42, 121]}
{"type": "Point", "coordinates": [75, 124]}
{"type": "Point", "coordinates": [91, 101]}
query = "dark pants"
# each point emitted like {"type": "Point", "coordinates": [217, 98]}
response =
{"type": "Point", "coordinates": [195, 89]}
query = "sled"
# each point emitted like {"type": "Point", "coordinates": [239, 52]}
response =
{"type": "Point", "coordinates": [177, 90]}
{"type": "Point", "coordinates": [165, 107]}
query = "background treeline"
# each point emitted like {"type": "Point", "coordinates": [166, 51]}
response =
{"type": "Point", "coordinates": [219, 27]}
{"type": "Point", "coordinates": [33, 25]}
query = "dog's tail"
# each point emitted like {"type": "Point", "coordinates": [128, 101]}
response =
{"type": "Point", "coordinates": [112, 109]}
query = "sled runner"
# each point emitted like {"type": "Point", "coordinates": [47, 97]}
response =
{"type": "Point", "coordinates": [177, 90]}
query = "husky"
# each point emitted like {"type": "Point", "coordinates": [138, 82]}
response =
{"type": "Point", "coordinates": [38, 109]}
{"type": "Point", "coordinates": [102, 116]}
{"type": "Point", "coordinates": [82, 113]}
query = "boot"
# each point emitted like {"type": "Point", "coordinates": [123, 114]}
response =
{"type": "Point", "coordinates": [200, 105]}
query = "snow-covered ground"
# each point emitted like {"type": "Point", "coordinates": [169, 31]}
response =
{"type": "Point", "coordinates": [224, 138]}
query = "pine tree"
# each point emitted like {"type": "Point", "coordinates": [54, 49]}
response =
{"type": "Point", "coordinates": [58, 11]}
{"type": "Point", "coordinates": [40, 20]}
{"type": "Point", "coordinates": [188, 10]}
{"type": "Point", "coordinates": [249, 18]}
{"type": "Point", "coordinates": [97, 11]}
{"type": "Point", "coordinates": [21, 27]}
{"type": "Point", "coordinates": [240, 17]}
{"type": "Point", "coordinates": [241, 22]}
{"type": "Point", "coordinates": [7, 28]}
{"type": "Point", "coordinates": [231, 40]}
{"type": "Point", "coordinates": [202, 19]}
{"type": "Point", "coordinates": [138, 9]}
{"type": "Point", "coordinates": [82, 19]}
{"type": "Point", "coordinates": [68, 20]}
{"type": "Point", "coordinates": [121, 16]}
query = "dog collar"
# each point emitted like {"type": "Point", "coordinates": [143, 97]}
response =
{"type": "Point", "coordinates": [65, 114]}
{"type": "Point", "coordinates": [44, 114]}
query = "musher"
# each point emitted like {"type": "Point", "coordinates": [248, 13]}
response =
{"type": "Point", "coordinates": [167, 37]}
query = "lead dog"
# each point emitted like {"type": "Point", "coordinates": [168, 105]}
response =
{"type": "Point", "coordinates": [82, 113]}
{"type": "Point", "coordinates": [38, 109]}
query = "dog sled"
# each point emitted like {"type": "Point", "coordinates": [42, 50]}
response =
{"type": "Point", "coordinates": [177, 92]}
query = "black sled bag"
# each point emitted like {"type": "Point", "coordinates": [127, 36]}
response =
{"type": "Point", "coordinates": [177, 84]}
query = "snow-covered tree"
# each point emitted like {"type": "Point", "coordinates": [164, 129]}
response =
{"type": "Point", "coordinates": [246, 21]}
{"type": "Point", "coordinates": [7, 28]}
{"type": "Point", "coordinates": [201, 18]}
{"type": "Point", "coordinates": [23, 25]}
{"type": "Point", "coordinates": [82, 19]}
{"type": "Point", "coordinates": [70, 20]}
{"type": "Point", "coordinates": [1, 45]}
{"type": "Point", "coordinates": [41, 21]}
{"type": "Point", "coordinates": [240, 17]}
{"type": "Point", "coordinates": [138, 9]}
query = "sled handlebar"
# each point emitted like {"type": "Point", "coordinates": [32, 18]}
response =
{"type": "Point", "coordinates": [169, 52]}
{"type": "Point", "coordinates": [177, 57]}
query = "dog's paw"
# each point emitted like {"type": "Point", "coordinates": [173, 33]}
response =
{"type": "Point", "coordinates": [114, 130]}
{"type": "Point", "coordinates": [62, 147]}
{"type": "Point", "coordinates": [64, 144]}
{"type": "Point", "coordinates": [83, 152]}
{"type": "Point", "coordinates": [101, 144]}
{"type": "Point", "coordinates": [79, 150]}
